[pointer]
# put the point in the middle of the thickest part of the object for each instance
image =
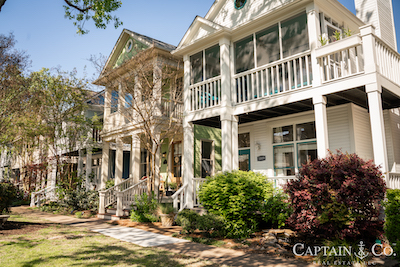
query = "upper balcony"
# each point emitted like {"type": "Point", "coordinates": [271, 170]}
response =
{"type": "Point", "coordinates": [343, 60]}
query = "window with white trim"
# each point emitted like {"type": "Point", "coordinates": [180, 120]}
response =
{"type": "Point", "coordinates": [205, 64]}
{"type": "Point", "coordinates": [207, 158]}
{"type": "Point", "coordinates": [294, 145]}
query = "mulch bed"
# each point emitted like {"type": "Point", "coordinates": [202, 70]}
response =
{"type": "Point", "coordinates": [20, 228]}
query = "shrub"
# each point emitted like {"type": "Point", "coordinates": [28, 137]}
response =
{"type": "Point", "coordinates": [275, 210]}
{"type": "Point", "coordinates": [110, 183]}
{"type": "Point", "coordinates": [8, 194]}
{"type": "Point", "coordinates": [392, 222]}
{"type": "Point", "coordinates": [165, 208]}
{"type": "Point", "coordinates": [146, 208]}
{"type": "Point", "coordinates": [336, 198]}
{"type": "Point", "coordinates": [212, 224]}
{"type": "Point", "coordinates": [188, 220]}
{"type": "Point", "coordinates": [79, 199]}
{"type": "Point", "coordinates": [236, 196]}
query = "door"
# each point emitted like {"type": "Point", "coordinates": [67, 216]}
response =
{"type": "Point", "coordinates": [244, 160]}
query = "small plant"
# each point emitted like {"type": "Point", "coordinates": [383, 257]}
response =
{"type": "Point", "coordinates": [188, 220]}
{"type": "Point", "coordinates": [110, 183]}
{"type": "Point", "coordinates": [166, 208]}
{"type": "Point", "coordinates": [146, 208]}
{"type": "Point", "coordinates": [79, 214]}
{"type": "Point", "coordinates": [323, 39]}
{"type": "Point", "coordinates": [276, 210]}
{"type": "Point", "coordinates": [173, 185]}
{"type": "Point", "coordinates": [337, 35]}
{"type": "Point", "coordinates": [347, 32]}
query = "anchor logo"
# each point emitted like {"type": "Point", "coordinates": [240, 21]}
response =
{"type": "Point", "coordinates": [361, 253]}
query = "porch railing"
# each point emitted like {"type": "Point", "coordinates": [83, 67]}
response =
{"type": "Point", "coordinates": [280, 181]}
{"type": "Point", "coordinates": [45, 194]}
{"type": "Point", "coordinates": [179, 201]}
{"type": "Point", "coordinates": [172, 108]}
{"type": "Point", "coordinates": [127, 196]}
{"type": "Point", "coordinates": [275, 78]}
{"type": "Point", "coordinates": [341, 59]}
{"type": "Point", "coordinates": [110, 195]}
{"type": "Point", "coordinates": [205, 94]}
{"type": "Point", "coordinates": [388, 61]}
{"type": "Point", "coordinates": [393, 180]}
{"type": "Point", "coordinates": [197, 182]}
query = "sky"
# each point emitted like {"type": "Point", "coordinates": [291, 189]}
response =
{"type": "Point", "coordinates": [50, 40]}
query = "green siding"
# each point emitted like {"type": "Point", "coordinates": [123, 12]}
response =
{"type": "Point", "coordinates": [137, 47]}
{"type": "Point", "coordinates": [206, 133]}
{"type": "Point", "coordinates": [164, 148]}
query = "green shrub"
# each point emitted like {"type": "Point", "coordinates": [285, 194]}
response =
{"type": "Point", "coordinates": [335, 198]}
{"type": "Point", "coordinates": [275, 210]}
{"type": "Point", "coordinates": [238, 197]}
{"type": "Point", "coordinates": [79, 199]}
{"type": "Point", "coordinates": [212, 224]}
{"type": "Point", "coordinates": [146, 208]}
{"type": "Point", "coordinates": [8, 194]}
{"type": "Point", "coordinates": [166, 208]}
{"type": "Point", "coordinates": [188, 220]}
{"type": "Point", "coordinates": [392, 222]}
{"type": "Point", "coordinates": [110, 183]}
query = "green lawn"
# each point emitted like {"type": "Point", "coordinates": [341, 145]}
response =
{"type": "Point", "coordinates": [59, 245]}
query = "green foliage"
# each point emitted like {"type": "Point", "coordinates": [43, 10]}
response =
{"type": "Point", "coordinates": [146, 208]}
{"type": "Point", "coordinates": [188, 220]}
{"type": "Point", "coordinates": [337, 35]}
{"type": "Point", "coordinates": [323, 40]}
{"type": "Point", "coordinates": [347, 32]}
{"type": "Point", "coordinates": [276, 210]}
{"type": "Point", "coordinates": [8, 194]}
{"type": "Point", "coordinates": [172, 185]}
{"type": "Point", "coordinates": [99, 11]}
{"type": "Point", "coordinates": [110, 183]}
{"type": "Point", "coordinates": [392, 211]}
{"type": "Point", "coordinates": [79, 214]}
{"type": "Point", "coordinates": [238, 197]}
{"type": "Point", "coordinates": [166, 208]}
{"type": "Point", "coordinates": [51, 207]}
{"type": "Point", "coordinates": [335, 198]}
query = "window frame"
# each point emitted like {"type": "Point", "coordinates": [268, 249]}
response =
{"type": "Point", "coordinates": [212, 156]}
{"type": "Point", "coordinates": [204, 65]}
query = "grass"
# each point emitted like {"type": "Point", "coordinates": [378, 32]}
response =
{"type": "Point", "coordinates": [60, 245]}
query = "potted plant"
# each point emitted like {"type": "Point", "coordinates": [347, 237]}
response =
{"type": "Point", "coordinates": [167, 214]}
{"type": "Point", "coordinates": [171, 189]}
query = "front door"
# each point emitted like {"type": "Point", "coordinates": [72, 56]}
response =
{"type": "Point", "coordinates": [244, 160]}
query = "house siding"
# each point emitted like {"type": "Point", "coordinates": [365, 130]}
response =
{"type": "Point", "coordinates": [392, 130]}
{"type": "Point", "coordinates": [362, 133]}
{"type": "Point", "coordinates": [207, 133]}
{"type": "Point", "coordinates": [339, 130]}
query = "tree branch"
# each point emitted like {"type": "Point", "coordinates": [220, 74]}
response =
{"type": "Point", "coordinates": [2, 2]}
{"type": "Point", "coordinates": [83, 10]}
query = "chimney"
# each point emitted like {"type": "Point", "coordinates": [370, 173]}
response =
{"type": "Point", "coordinates": [379, 13]}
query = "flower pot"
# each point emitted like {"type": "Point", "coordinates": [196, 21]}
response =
{"type": "Point", "coordinates": [167, 220]}
{"type": "Point", "coordinates": [169, 193]}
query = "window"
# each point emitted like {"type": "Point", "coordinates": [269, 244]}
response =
{"type": "Point", "coordinates": [279, 41]}
{"type": "Point", "coordinates": [205, 64]}
{"type": "Point", "coordinates": [177, 160]}
{"type": "Point", "coordinates": [143, 163]}
{"type": "Point", "coordinates": [114, 101]}
{"type": "Point", "coordinates": [244, 140]}
{"type": "Point", "coordinates": [128, 100]}
{"type": "Point", "coordinates": [292, 149]}
{"type": "Point", "coordinates": [207, 159]}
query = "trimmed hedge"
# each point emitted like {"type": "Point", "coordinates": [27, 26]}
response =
{"type": "Point", "coordinates": [392, 222]}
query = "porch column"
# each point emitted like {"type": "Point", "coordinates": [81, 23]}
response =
{"type": "Point", "coordinates": [188, 158]}
{"type": "Point", "coordinates": [374, 92]}
{"type": "Point", "coordinates": [53, 173]}
{"type": "Point", "coordinates": [235, 143]}
{"type": "Point", "coordinates": [224, 45]}
{"type": "Point", "coordinates": [104, 164]}
{"type": "Point", "coordinates": [80, 162]}
{"type": "Point", "coordinates": [88, 166]}
{"type": "Point", "coordinates": [156, 152]}
{"type": "Point", "coordinates": [119, 160]}
{"type": "Point", "coordinates": [367, 33]}
{"type": "Point", "coordinates": [226, 132]}
{"type": "Point", "coordinates": [135, 158]}
{"type": "Point", "coordinates": [107, 108]}
{"type": "Point", "coordinates": [186, 85]}
{"type": "Point", "coordinates": [313, 33]}
{"type": "Point", "coordinates": [321, 125]}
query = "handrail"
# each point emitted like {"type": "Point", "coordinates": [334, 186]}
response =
{"type": "Point", "coordinates": [46, 193]}
{"type": "Point", "coordinates": [181, 194]}
{"type": "Point", "coordinates": [393, 180]}
{"type": "Point", "coordinates": [110, 195]}
{"type": "Point", "coordinates": [128, 195]}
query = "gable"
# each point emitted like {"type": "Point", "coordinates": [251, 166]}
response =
{"type": "Point", "coordinates": [131, 48]}
{"type": "Point", "coordinates": [230, 17]}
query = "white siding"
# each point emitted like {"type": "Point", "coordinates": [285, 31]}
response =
{"type": "Point", "coordinates": [339, 131]}
{"type": "Point", "coordinates": [362, 133]}
{"type": "Point", "coordinates": [230, 17]}
{"type": "Point", "coordinates": [392, 129]}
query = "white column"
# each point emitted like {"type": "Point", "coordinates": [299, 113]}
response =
{"type": "Point", "coordinates": [313, 35]}
{"type": "Point", "coordinates": [88, 166]}
{"type": "Point", "coordinates": [224, 44]}
{"type": "Point", "coordinates": [377, 125]}
{"type": "Point", "coordinates": [135, 158]}
{"type": "Point", "coordinates": [235, 144]}
{"type": "Point", "coordinates": [53, 173]}
{"type": "Point", "coordinates": [188, 158]}
{"type": "Point", "coordinates": [80, 162]}
{"type": "Point", "coordinates": [186, 84]}
{"type": "Point", "coordinates": [157, 168]}
{"type": "Point", "coordinates": [119, 161]}
{"type": "Point", "coordinates": [226, 132]}
{"type": "Point", "coordinates": [107, 108]}
{"type": "Point", "coordinates": [368, 42]}
{"type": "Point", "coordinates": [104, 164]}
{"type": "Point", "coordinates": [321, 125]}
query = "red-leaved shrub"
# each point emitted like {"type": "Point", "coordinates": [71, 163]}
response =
{"type": "Point", "coordinates": [337, 197]}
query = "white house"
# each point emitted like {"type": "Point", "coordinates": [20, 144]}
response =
{"type": "Point", "coordinates": [286, 80]}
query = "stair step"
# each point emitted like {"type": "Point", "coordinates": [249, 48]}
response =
{"type": "Point", "coordinates": [112, 211]}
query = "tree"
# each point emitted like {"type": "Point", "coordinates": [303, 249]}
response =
{"type": "Point", "coordinates": [80, 11]}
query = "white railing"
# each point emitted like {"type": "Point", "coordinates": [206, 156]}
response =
{"type": "Point", "coordinates": [110, 195]}
{"type": "Point", "coordinates": [341, 59]}
{"type": "Point", "coordinates": [388, 61]}
{"type": "Point", "coordinates": [128, 195]}
{"type": "Point", "coordinates": [275, 78]}
{"type": "Point", "coordinates": [197, 182]}
{"type": "Point", "coordinates": [172, 108]}
{"type": "Point", "coordinates": [179, 201]}
{"type": "Point", "coordinates": [205, 94]}
{"type": "Point", "coordinates": [45, 194]}
{"type": "Point", "coordinates": [280, 181]}
{"type": "Point", "coordinates": [393, 180]}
